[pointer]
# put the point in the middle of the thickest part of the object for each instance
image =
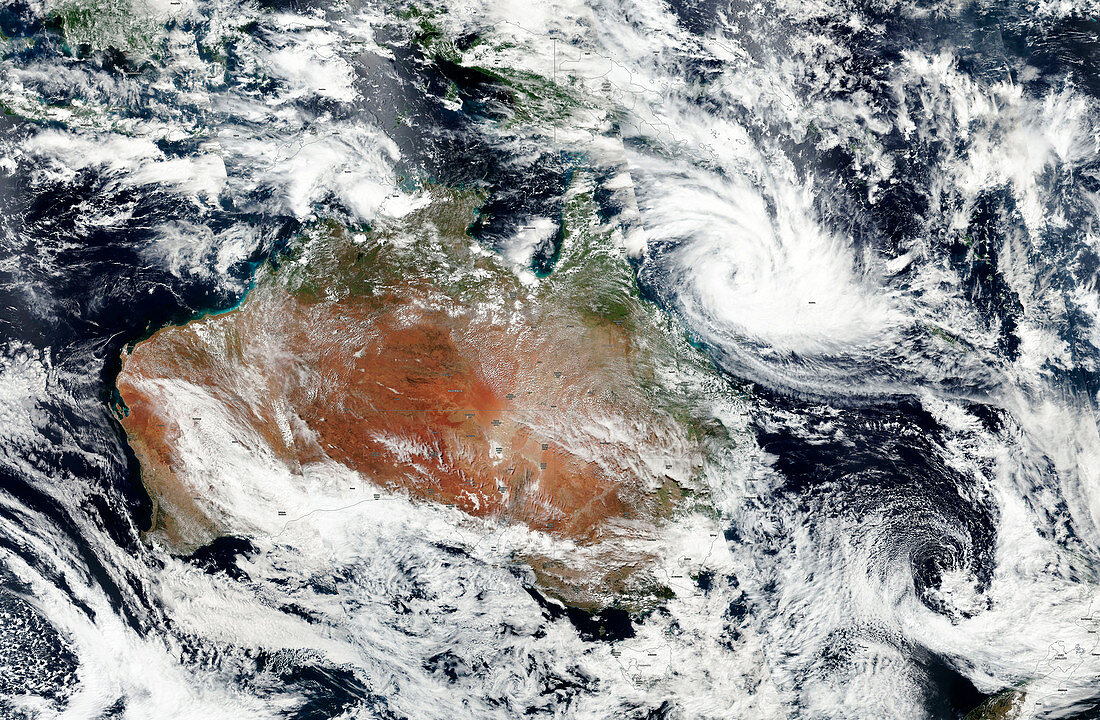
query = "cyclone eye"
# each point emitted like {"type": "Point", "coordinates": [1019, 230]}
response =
{"type": "Point", "coordinates": [947, 576]}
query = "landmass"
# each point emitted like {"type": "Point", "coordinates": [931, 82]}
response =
{"type": "Point", "coordinates": [407, 353]}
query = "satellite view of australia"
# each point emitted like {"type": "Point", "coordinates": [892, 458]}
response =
{"type": "Point", "coordinates": [570, 359]}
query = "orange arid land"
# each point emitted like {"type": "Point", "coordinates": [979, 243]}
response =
{"type": "Point", "coordinates": [433, 368]}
